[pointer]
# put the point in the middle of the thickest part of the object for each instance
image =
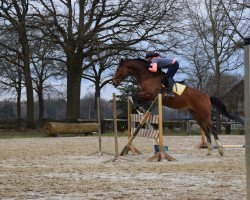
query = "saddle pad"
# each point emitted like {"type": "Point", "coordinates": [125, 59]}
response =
{"type": "Point", "coordinates": [178, 88]}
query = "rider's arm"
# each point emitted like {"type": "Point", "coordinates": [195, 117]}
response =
{"type": "Point", "coordinates": [153, 67]}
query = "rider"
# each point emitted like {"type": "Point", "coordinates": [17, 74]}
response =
{"type": "Point", "coordinates": [163, 63]}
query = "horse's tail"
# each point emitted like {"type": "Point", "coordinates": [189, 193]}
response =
{"type": "Point", "coordinates": [222, 108]}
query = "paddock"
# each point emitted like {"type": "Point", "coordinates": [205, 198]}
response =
{"type": "Point", "coordinates": [68, 168]}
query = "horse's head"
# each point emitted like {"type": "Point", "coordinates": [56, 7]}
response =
{"type": "Point", "coordinates": [135, 67]}
{"type": "Point", "coordinates": [121, 73]}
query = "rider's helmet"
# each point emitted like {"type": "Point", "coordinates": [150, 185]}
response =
{"type": "Point", "coordinates": [151, 54]}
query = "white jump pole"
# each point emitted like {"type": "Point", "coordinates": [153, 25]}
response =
{"type": "Point", "coordinates": [247, 110]}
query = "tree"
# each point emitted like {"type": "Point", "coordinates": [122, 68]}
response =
{"type": "Point", "coordinates": [45, 66]}
{"type": "Point", "coordinates": [228, 81]}
{"type": "Point", "coordinates": [99, 74]}
{"type": "Point", "coordinates": [214, 33]}
{"type": "Point", "coordinates": [129, 88]}
{"type": "Point", "coordinates": [212, 28]}
{"type": "Point", "coordinates": [14, 16]}
{"type": "Point", "coordinates": [83, 28]}
{"type": "Point", "coordinates": [11, 79]}
{"type": "Point", "coordinates": [237, 13]}
{"type": "Point", "coordinates": [198, 69]}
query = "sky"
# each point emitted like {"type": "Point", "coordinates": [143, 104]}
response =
{"type": "Point", "coordinates": [106, 92]}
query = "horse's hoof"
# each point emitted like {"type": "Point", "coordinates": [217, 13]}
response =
{"type": "Point", "coordinates": [221, 152]}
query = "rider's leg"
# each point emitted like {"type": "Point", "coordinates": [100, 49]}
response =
{"type": "Point", "coordinates": [168, 83]}
{"type": "Point", "coordinates": [167, 78]}
{"type": "Point", "coordinates": [172, 70]}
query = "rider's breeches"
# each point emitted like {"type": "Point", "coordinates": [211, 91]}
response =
{"type": "Point", "coordinates": [170, 73]}
{"type": "Point", "coordinates": [172, 70]}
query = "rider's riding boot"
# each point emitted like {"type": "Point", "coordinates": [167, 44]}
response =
{"type": "Point", "coordinates": [168, 83]}
{"type": "Point", "coordinates": [170, 87]}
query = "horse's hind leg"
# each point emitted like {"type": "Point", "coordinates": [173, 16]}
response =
{"type": "Point", "coordinates": [208, 136]}
{"type": "Point", "coordinates": [202, 123]}
{"type": "Point", "coordinates": [209, 141]}
{"type": "Point", "coordinates": [215, 134]}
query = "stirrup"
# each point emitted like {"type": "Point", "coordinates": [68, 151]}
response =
{"type": "Point", "coordinates": [169, 93]}
{"type": "Point", "coordinates": [163, 90]}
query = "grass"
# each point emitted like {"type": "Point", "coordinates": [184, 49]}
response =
{"type": "Point", "coordinates": [22, 133]}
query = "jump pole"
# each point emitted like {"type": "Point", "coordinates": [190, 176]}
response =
{"type": "Point", "coordinates": [247, 110]}
{"type": "Point", "coordinates": [161, 154]}
{"type": "Point", "coordinates": [142, 122]}
{"type": "Point", "coordinates": [131, 148]}
{"type": "Point", "coordinates": [144, 119]}
{"type": "Point", "coordinates": [98, 113]}
{"type": "Point", "coordinates": [115, 125]}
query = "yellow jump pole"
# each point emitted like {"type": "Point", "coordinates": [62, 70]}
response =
{"type": "Point", "coordinates": [144, 119]}
{"type": "Point", "coordinates": [133, 149]}
{"type": "Point", "coordinates": [161, 154]}
{"type": "Point", "coordinates": [129, 117]}
{"type": "Point", "coordinates": [160, 122]}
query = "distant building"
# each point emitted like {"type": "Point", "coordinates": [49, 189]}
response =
{"type": "Point", "coordinates": [234, 99]}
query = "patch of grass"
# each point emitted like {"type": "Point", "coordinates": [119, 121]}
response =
{"type": "Point", "coordinates": [22, 133]}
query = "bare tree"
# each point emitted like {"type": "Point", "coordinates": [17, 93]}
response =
{"type": "Point", "coordinates": [214, 32]}
{"type": "Point", "coordinates": [198, 65]}
{"type": "Point", "coordinates": [83, 28]}
{"type": "Point", "coordinates": [11, 82]}
{"type": "Point", "coordinates": [14, 18]}
{"type": "Point", "coordinates": [45, 68]}
{"type": "Point", "coordinates": [238, 13]}
{"type": "Point", "coordinates": [211, 25]}
{"type": "Point", "coordinates": [99, 74]}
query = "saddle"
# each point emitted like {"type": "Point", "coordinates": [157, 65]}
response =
{"type": "Point", "coordinates": [178, 87]}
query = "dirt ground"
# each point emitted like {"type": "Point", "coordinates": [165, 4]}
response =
{"type": "Point", "coordinates": [71, 168]}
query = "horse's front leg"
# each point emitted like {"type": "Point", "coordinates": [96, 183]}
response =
{"type": "Point", "coordinates": [142, 100]}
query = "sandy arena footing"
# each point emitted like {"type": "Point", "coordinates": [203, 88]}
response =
{"type": "Point", "coordinates": [64, 168]}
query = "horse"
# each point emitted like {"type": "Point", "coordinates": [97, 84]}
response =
{"type": "Point", "coordinates": [197, 102]}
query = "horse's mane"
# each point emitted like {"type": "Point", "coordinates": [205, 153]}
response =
{"type": "Point", "coordinates": [142, 60]}
{"type": "Point", "coordinates": [146, 62]}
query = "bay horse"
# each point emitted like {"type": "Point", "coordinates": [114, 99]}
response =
{"type": "Point", "coordinates": [197, 102]}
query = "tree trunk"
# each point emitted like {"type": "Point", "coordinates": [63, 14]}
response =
{"type": "Point", "coordinates": [97, 95]}
{"type": "Point", "coordinates": [23, 39]}
{"type": "Point", "coordinates": [217, 93]}
{"type": "Point", "coordinates": [41, 102]}
{"type": "Point", "coordinates": [30, 98]}
{"type": "Point", "coordinates": [74, 75]}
